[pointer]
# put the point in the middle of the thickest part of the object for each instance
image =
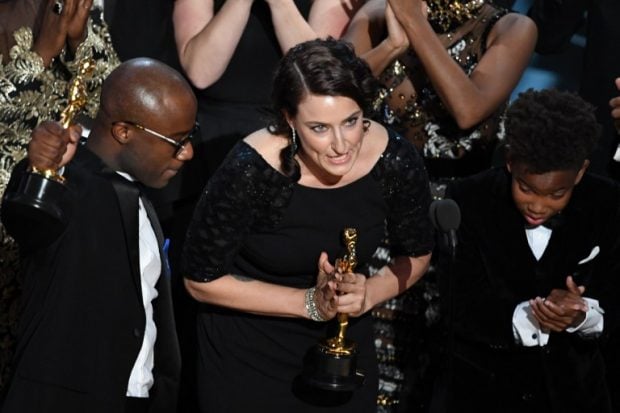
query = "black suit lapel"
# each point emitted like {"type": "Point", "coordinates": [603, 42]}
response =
{"type": "Point", "coordinates": [127, 194]}
{"type": "Point", "coordinates": [150, 212]}
{"type": "Point", "coordinates": [159, 233]}
{"type": "Point", "coordinates": [167, 351]}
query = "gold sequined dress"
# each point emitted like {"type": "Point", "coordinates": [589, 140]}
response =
{"type": "Point", "coordinates": [413, 108]}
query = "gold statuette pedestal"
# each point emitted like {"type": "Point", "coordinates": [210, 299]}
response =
{"type": "Point", "coordinates": [40, 192]}
{"type": "Point", "coordinates": [332, 363]}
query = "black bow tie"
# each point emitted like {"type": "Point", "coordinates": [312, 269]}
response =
{"type": "Point", "coordinates": [552, 223]}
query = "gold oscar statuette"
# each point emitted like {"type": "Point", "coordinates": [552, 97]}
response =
{"type": "Point", "coordinates": [338, 345]}
{"type": "Point", "coordinates": [39, 195]}
{"type": "Point", "coordinates": [332, 363]}
{"type": "Point", "coordinates": [77, 99]}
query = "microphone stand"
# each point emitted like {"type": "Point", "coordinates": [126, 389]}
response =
{"type": "Point", "coordinates": [450, 303]}
{"type": "Point", "coordinates": [446, 217]}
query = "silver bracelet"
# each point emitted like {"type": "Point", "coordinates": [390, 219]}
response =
{"type": "Point", "coordinates": [310, 302]}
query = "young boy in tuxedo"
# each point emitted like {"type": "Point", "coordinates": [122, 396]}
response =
{"type": "Point", "coordinates": [537, 268]}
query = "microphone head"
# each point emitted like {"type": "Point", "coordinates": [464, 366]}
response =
{"type": "Point", "coordinates": [445, 215]}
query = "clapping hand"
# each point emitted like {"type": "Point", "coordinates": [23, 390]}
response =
{"type": "Point", "coordinates": [396, 34]}
{"type": "Point", "coordinates": [61, 26]}
{"type": "Point", "coordinates": [416, 10]}
{"type": "Point", "coordinates": [561, 309]}
{"type": "Point", "coordinates": [76, 29]}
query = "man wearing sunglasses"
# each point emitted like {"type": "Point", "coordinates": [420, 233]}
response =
{"type": "Point", "coordinates": [97, 330]}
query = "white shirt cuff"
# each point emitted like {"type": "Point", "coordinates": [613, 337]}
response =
{"type": "Point", "coordinates": [592, 324]}
{"type": "Point", "coordinates": [525, 327]}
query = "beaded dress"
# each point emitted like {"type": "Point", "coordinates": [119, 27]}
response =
{"type": "Point", "coordinates": [413, 108]}
{"type": "Point", "coordinates": [255, 222]}
{"type": "Point", "coordinates": [407, 326]}
{"type": "Point", "coordinates": [29, 94]}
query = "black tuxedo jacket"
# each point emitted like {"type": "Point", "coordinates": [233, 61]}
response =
{"type": "Point", "coordinates": [83, 319]}
{"type": "Point", "coordinates": [495, 270]}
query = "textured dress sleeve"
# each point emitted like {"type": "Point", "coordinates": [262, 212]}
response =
{"type": "Point", "coordinates": [406, 191]}
{"type": "Point", "coordinates": [243, 194]}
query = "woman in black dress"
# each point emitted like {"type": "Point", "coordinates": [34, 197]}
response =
{"type": "Point", "coordinates": [264, 237]}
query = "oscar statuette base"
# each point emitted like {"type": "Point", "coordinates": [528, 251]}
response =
{"type": "Point", "coordinates": [329, 371]}
{"type": "Point", "coordinates": [38, 201]}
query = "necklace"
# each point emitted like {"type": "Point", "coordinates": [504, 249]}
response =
{"type": "Point", "coordinates": [446, 15]}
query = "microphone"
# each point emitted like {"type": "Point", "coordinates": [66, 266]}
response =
{"type": "Point", "coordinates": [445, 215]}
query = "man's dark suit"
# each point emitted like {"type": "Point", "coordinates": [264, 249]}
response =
{"type": "Point", "coordinates": [83, 317]}
{"type": "Point", "coordinates": [495, 270]}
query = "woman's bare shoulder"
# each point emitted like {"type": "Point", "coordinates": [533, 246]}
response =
{"type": "Point", "coordinates": [267, 145]}
{"type": "Point", "coordinates": [375, 144]}
{"type": "Point", "coordinates": [514, 25]}
{"type": "Point", "coordinates": [377, 135]}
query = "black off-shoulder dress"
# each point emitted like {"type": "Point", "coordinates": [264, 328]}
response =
{"type": "Point", "coordinates": [255, 222]}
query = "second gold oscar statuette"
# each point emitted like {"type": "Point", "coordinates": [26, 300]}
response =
{"type": "Point", "coordinates": [338, 345]}
{"type": "Point", "coordinates": [331, 364]}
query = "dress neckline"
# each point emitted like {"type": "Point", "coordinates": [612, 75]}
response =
{"type": "Point", "coordinates": [390, 141]}
{"type": "Point", "coordinates": [336, 188]}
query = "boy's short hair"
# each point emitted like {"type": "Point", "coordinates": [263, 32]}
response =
{"type": "Point", "coordinates": [550, 130]}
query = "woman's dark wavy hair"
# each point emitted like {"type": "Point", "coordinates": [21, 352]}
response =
{"type": "Point", "coordinates": [550, 130]}
{"type": "Point", "coordinates": [326, 67]}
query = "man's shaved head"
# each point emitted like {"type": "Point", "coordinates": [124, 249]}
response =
{"type": "Point", "coordinates": [141, 87]}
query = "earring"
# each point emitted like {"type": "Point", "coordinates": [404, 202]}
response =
{"type": "Point", "coordinates": [365, 125]}
{"type": "Point", "coordinates": [293, 140]}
